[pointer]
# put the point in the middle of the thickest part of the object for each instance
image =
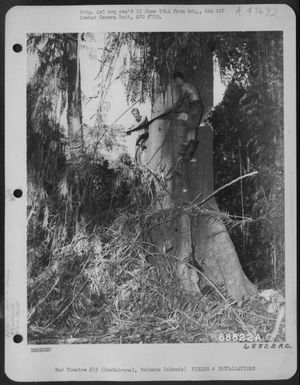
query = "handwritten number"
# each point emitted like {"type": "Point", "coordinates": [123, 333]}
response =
{"type": "Point", "coordinates": [258, 11]}
{"type": "Point", "coordinates": [238, 11]}
{"type": "Point", "coordinates": [271, 11]}
{"type": "Point", "coordinates": [268, 11]}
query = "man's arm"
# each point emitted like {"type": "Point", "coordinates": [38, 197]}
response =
{"type": "Point", "coordinates": [143, 121]}
{"type": "Point", "coordinates": [142, 124]}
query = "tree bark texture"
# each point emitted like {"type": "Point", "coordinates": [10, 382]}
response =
{"type": "Point", "coordinates": [74, 109]}
{"type": "Point", "coordinates": [178, 232]}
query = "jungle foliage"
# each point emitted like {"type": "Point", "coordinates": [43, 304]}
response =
{"type": "Point", "coordinates": [88, 273]}
{"type": "Point", "coordinates": [248, 128]}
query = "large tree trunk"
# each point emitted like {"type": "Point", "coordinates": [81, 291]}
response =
{"type": "Point", "coordinates": [75, 129]}
{"type": "Point", "coordinates": [74, 109]}
{"type": "Point", "coordinates": [178, 229]}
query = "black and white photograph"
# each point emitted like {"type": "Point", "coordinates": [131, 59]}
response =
{"type": "Point", "coordinates": [156, 177]}
{"type": "Point", "coordinates": [155, 187]}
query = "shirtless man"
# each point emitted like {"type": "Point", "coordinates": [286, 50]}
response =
{"type": "Point", "coordinates": [140, 119]}
{"type": "Point", "coordinates": [190, 94]}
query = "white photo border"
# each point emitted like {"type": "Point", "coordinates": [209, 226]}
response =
{"type": "Point", "coordinates": [25, 362]}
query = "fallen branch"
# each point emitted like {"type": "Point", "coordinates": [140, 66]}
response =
{"type": "Point", "coordinates": [222, 188]}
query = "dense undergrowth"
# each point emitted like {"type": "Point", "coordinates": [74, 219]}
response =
{"type": "Point", "coordinates": [95, 285]}
{"type": "Point", "coordinates": [107, 292]}
{"type": "Point", "coordinates": [110, 294]}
